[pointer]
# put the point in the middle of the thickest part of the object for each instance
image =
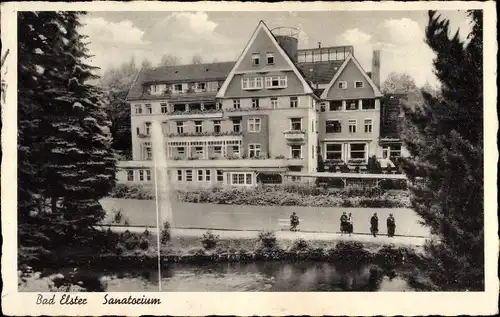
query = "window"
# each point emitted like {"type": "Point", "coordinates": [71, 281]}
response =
{"type": "Point", "coordinates": [217, 149]}
{"type": "Point", "coordinates": [236, 149]}
{"type": "Point", "coordinates": [148, 175]}
{"type": "Point", "coordinates": [336, 105]}
{"type": "Point", "coordinates": [138, 109]}
{"type": "Point", "coordinates": [368, 104]}
{"type": "Point", "coordinates": [270, 58]}
{"type": "Point", "coordinates": [148, 153]}
{"type": "Point", "coordinates": [179, 175]}
{"type": "Point", "coordinates": [391, 151]}
{"type": "Point", "coordinates": [334, 151]}
{"type": "Point", "coordinates": [178, 87]}
{"type": "Point", "coordinates": [312, 151]}
{"type": "Point", "coordinates": [357, 150]}
{"type": "Point", "coordinates": [274, 103]}
{"type": "Point", "coordinates": [189, 175]}
{"type": "Point", "coordinates": [255, 59]}
{"type": "Point", "coordinates": [241, 178]}
{"type": "Point", "coordinates": [164, 108]}
{"type": "Point", "coordinates": [333, 126]}
{"type": "Point", "coordinates": [254, 125]}
{"type": "Point", "coordinates": [236, 125]}
{"type": "Point", "coordinates": [236, 103]}
{"type": "Point", "coordinates": [276, 82]}
{"type": "Point", "coordinates": [149, 110]}
{"type": "Point", "coordinates": [220, 176]}
{"type": "Point", "coordinates": [322, 107]}
{"type": "Point", "coordinates": [147, 128]}
{"type": "Point", "coordinates": [202, 86]}
{"type": "Point", "coordinates": [294, 102]}
{"type": "Point", "coordinates": [207, 175]}
{"type": "Point", "coordinates": [352, 105]}
{"type": "Point", "coordinates": [352, 126]}
{"type": "Point", "coordinates": [217, 126]}
{"type": "Point", "coordinates": [180, 150]}
{"type": "Point", "coordinates": [342, 85]}
{"type": "Point", "coordinates": [198, 125]}
{"type": "Point", "coordinates": [296, 151]}
{"type": "Point", "coordinates": [255, 103]}
{"type": "Point", "coordinates": [296, 124]}
{"type": "Point", "coordinates": [153, 88]}
{"type": "Point", "coordinates": [180, 126]}
{"type": "Point", "coordinates": [200, 175]}
{"type": "Point", "coordinates": [368, 126]}
{"type": "Point", "coordinates": [141, 175]}
{"type": "Point", "coordinates": [358, 84]}
{"type": "Point", "coordinates": [254, 150]}
{"type": "Point", "coordinates": [250, 83]}
{"type": "Point", "coordinates": [130, 175]}
{"type": "Point", "coordinates": [199, 150]}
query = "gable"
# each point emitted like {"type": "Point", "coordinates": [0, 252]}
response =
{"type": "Point", "coordinates": [349, 72]}
{"type": "Point", "coordinates": [262, 42]}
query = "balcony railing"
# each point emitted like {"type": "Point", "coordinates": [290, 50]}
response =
{"type": "Point", "coordinates": [195, 134]}
{"type": "Point", "coordinates": [144, 135]}
{"type": "Point", "coordinates": [194, 112]}
{"type": "Point", "coordinates": [295, 135]}
{"type": "Point", "coordinates": [245, 109]}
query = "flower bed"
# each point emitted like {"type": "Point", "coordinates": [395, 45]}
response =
{"type": "Point", "coordinates": [281, 195]}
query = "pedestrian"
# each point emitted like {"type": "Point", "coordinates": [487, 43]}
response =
{"type": "Point", "coordinates": [343, 222]}
{"type": "Point", "coordinates": [391, 226]}
{"type": "Point", "coordinates": [350, 224]}
{"type": "Point", "coordinates": [374, 224]}
{"type": "Point", "coordinates": [294, 222]}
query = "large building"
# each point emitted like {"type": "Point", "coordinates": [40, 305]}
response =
{"type": "Point", "coordinates": [270, 113]}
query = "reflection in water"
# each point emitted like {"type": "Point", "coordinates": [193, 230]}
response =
{"type": "Point", "coordinates": [264, 276]}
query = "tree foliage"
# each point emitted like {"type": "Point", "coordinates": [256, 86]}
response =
{"type": "Point", "coordinates": [398, 83]}
{"type": "Point", "coordinates": [197, 59]}
{"type": "Point", "coordinates": [169, 60]}
{"type": "Point", "coordinates": [65, 164]}
{"type": "Point", "coordinates": [444, 137]}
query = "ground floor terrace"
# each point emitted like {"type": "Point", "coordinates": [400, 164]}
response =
{"type": "Point", "coordinates": [183, 174]}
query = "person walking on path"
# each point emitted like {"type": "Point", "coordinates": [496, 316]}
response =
{"type": "Point", "coordinates": [294, 222]}
{"type": "Point", "coordinates": [343, 223]}
{"type": "Point", "coordinates": [350, 224]}
{"type": "Point", "coordinates": [374, 224]}
{"type": "Point", "coordinates": [391, 226]}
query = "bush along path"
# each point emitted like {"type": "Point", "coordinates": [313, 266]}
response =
{"type": "Point", "coordinates": [286, 195]}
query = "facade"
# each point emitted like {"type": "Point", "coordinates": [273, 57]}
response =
{"type": "Point", "coordinates": [273, 111]}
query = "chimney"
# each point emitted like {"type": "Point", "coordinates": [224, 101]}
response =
{"type": "Point", "coordinates": [375, 73]}
{"type": "Point", "coordinates": [319, 44]}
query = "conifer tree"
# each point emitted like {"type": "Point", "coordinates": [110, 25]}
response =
{"type": "Point", "coordinates": [65, 161]}
{"type": "Point", "coordinates": [444, 137]}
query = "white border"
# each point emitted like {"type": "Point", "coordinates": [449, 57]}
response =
{"type": "Point", "coordinates": [193, 304]}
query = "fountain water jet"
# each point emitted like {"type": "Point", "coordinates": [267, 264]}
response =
{"type": "Point", "coordinates": [162, 186]}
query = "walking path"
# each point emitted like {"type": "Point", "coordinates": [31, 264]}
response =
{"type": "Point", "coordinates": [283, 235]}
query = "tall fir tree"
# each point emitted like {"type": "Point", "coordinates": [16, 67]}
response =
{"type": "Point", "coordinates": [443, 134]}
{"type": "Point", "coordinates": [65, 161]}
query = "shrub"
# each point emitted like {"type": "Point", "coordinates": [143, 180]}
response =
{"type": "Point", "coordinates": [117, 216]}
{"type": "Point", "coordinates": [300, 245]}
{"type": "Point", "coordinates": [146, 233]}
{"type": "Point", "coordinates": [144, 244]}
{"type": "Point", "coordinates": [120, 249]}
{"type": "Point", "coordinates": [129, 240]}
{"type": "Point", "coordinates": [165, 233]}
{"type": "Point", "coordinates": [268, 239]}
{"type": "Point", "coordinates": [209, 240]}
{"type": "Point", "coordinates": [350, 252]}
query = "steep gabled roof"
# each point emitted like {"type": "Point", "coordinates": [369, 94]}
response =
{"type": "Point", "coordinates": [293, 66]}
{"type": "Point", "coordinates": [320, 72]}
{"type": "Point", "coordinates": [179, 73]}
{"type": "Point", "coordinates": [341, 69]}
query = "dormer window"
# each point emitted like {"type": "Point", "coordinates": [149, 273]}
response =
{"type": "Point", "coordinates": [270, 58]}
{"type": "Point", "coordinates": [178, 87]}
{"type": "Point", "coordinates": [358, 84]}
{"type": "Point", "coordinates": [342, 85]}
{"type": "Point", "coordinates": [202, 86]}
{"type": "Point", "coordinates": [255, 59]}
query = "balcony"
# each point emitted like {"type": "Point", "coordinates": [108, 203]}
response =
{"type": "Point", "coordinates": [205, 134]}
{"type": "Point", "coordinates": [212, 163]}
{"type": "Point", "coordinates": [144, 135]}
{"type": "Point", "coordinates": [196, 113]}
{"type": "Point", "coordinates": [246, 110]}
{"type": "Point", "coordinates": [295, 135]}
{"type": "Point", "coordinates": [184, 95]}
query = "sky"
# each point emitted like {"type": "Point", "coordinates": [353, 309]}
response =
{"type": "Point", "coordinates": [116, 37]}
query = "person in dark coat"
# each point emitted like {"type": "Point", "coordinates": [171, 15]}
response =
{"type": "Point", "coordinates": [374, 224]}
{"type": "Point", "coordinates": [391, 226]}
{"type": "Point", "coordinates": [343, 223]}
{"type": "Point", "coordinates": [294, 222]}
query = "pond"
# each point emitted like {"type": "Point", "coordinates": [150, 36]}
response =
{"type": "Point", "coordinates": [303, 276]}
